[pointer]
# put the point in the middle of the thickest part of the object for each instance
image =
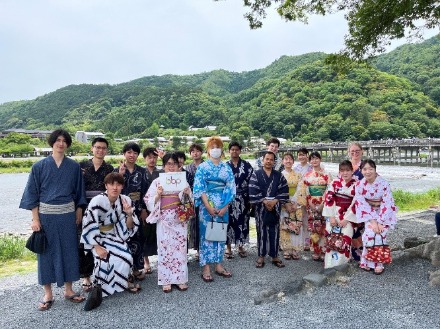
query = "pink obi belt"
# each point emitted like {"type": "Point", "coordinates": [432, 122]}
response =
{"type": "Point", "coordinates": [374, 203]}
{"type": "Point", "coordinates": [169, 201]}
{"type": "Point", "coordinates": [342, 200]}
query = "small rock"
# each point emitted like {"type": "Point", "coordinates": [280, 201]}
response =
{"type": "Point", "coordinates": [315, 279]}
{"type": "Point", "coordinates": [414, 242]}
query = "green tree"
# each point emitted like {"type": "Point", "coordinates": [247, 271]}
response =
{"type": "Point", "coordinates": [372, 24]}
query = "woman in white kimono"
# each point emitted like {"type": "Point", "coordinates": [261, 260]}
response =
{"type": "Point", "coordinates": [108, 223]}
{"type": "Point", "coordinates": [375, 207]}
{"type": "Point", "coordinates": [172, 233]}
{"type": "Point", "coordinates": [338, 211]}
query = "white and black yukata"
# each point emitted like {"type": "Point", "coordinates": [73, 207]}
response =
{"type": "Point", "coordinates": [262, 186]}
{"type": "Point", "coordinates": [105, 225]}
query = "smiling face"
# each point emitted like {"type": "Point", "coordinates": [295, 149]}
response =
{"type": "Point", "coordinates": [369, 172]}
{"type": "Point", "coordinates": [346, 173]}
{"type": "Point", "coordinates": [196, 154]}
{"type": "Point", "coordinates": [355, 153]}
{"type": "Point", "coordinates": [273, 147]}
{"type": "Point", "coordinates": [131, 156]}
{"type": "Point", "coordinates": [60, 145]}
{"type": "Point", "coordinates": [302, 158]}
{"type": "Point", "coordinates": [268, 161]}
{"type": "Point", "coordinates": [315, 162]}
{"type": "Point", "coordinates": [171, 166]}
{"type": "Point", "coordinates": [99, 150]}
{"type": "Point", "coordinates": [288, 162]}
{"type": "Point", "coordinates": [113, 190]}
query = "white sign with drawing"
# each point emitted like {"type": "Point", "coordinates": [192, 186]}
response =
{"type": "Point", "coordinates": [173, 181]}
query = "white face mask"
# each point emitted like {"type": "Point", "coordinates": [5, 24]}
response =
{"type": "Point", "coordinates": [215, 153]}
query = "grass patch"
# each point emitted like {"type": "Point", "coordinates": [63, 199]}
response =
{"type": "Point", "coordinates": [14, 257]}
{"type": "Point", "coordinates": [407, 201]}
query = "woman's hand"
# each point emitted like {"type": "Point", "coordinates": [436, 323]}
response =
{"type": "Point", "coordinates": [36, 224]}
{"type": "Point", "coordinates": [101, 252]}
{"type": "Point", "coordinates": [289, 207]}
{"type": "Point", "coordinates": [333, 222]}
{"type": "Point", "coordinates": [222, 211]}
{"type": "Point", "coordinates": [380, 228]}
{"type": "Point", "coordinates": [127, 208]}
{"type": "Point", "coordinates": [187, 191]}
{"type": "Point", "coordinates": [374, 226]}
{"type": "Point", "coordinates": [159, 191]}
{"type": "Point", "coordinates": [343, 223]}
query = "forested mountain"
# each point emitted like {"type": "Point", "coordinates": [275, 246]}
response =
{"type": "Point", "coordinates": [296, 97]}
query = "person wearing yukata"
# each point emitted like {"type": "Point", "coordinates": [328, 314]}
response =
{"type": "Point", "coordinates": [303, 167]}
{"type": "Point", "coordinates": [135, 186]}
{"type": "Point", "coordinates": [214, 189]}
{"type": "Point", "coordinates": [150, 155]}
{"type": "Point", "coordinates": [163, 205]}
{"type": "Point", "coordinates": [55, 195]}
{"type": "Point", "coordinates": [108, 223]}
{"type": "Point", "coordinates": [291, 221]}
{"type": "Point", "coordinates": [268, 191]}
{"type": "Point", "coordinates": [94, 172]}
{"type": "Point", "coordinates": [239, 209]}
{"type": "Point", "coordinates": [339, 213]}
{"type": "Point", "coordinates": [355, 152]}
{"type": "Point", "coordinates": [374, 204]}
{"type": "Point", "coordinates": [273, 144]}
{"type": "Point", "coordinates": [195, 151]}
{"type": "Point", "coordinates": [312, 188]}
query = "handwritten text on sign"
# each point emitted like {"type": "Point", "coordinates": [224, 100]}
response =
{"type": "Point", "coordinates": [173, 181]}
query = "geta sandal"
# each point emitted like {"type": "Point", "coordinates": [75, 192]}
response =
{"type": "Point", "coordinates": [44, 306]}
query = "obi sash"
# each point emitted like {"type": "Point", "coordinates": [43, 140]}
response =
{"type": "Point", "coordinates": [343, 200]}
{"type": "Point", "coordinates": [317, 190]}
{"type": "Point", "coordinates": [374, 203]}
{"type": "Point", "coordinates": [215, 186]}
{"type": "Point", "coordinates": [169, 201]}
{"type": "Point", "coordinates": [135, 196]}
{"type": "Point", "coordinates": [106, 228]}
{"type": "Point", "coordinates": [292, 191]}
{"type": "Point", "coordinates": [56, 209]}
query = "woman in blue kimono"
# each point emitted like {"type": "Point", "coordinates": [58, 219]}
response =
{"type": "Point", "coordinates": [55, 195]}
{"type": "Point", "coordinates": [214, 189]}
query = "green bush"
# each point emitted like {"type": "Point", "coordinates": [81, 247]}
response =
{"type": "Point", "coordinates": [13, 247]}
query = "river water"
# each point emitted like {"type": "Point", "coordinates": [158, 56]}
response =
{"type": "Point", "coordinates": [15, 220]}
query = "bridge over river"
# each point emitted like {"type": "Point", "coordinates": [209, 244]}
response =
{"type": "Point", "coordinates": [414, 151]}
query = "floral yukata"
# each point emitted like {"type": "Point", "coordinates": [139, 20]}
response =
{"type": "Point", "coordinates": [374, 201]}
{"type": "Point", "coordinates": [238, 227]}
{"type": "Point", "coordinates": [104, 224]}
{"type": "Point", "coordinates": [291, 235]}
{"type": "Point", "coordinates": [338, 203]}
{"type": "Point", "coordinates": [171, 235]}
{"type": "Point", "coordinates": [218, 183]}
{"type": "Point", "coordinates": [312, 188]}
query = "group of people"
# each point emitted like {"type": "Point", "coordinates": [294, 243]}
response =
{"type": "Point", "coordinates": [124, 215]}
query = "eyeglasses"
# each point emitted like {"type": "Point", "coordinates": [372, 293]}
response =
{"type": "Point", "coordinates": [171, 164]}
{"type": "Point", "coordinates": [100, 148]}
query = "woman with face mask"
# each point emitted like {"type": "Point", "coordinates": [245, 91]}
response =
{"type": "Point", "coordinates": [214, 190]}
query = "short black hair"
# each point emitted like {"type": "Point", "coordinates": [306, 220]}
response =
{"type": "Point", "coordinates": [57, 133]}
{"type": "Point", "coordinates": [315, 155]}
{"type": "Point", "coordinates": [232, 144]}
{"type": "Point", "coordinates": [114, 177]}
{"type": "Point", "coordinates": [289, 154]}
{"type": "Point", "coordinates": [195, 146]}
{"type": "Point", "coordinates": [368, 161]}
{"type": "Point", "coordinates": [303, 150]}
{"type": "Point", "coordinates": [273, 140]}
{"type": "Point", "coordinates": [168, 156]}
{"type": "Point", "coordinates": [99, 140]}
{"type": "Point", "coordinates": [269, 152]}
{"type": "Point", "coordinates": [180, 154]}
{"type": "Point", "coordinates": [131, 146]}
{"type": "Point", "coordinates": [148, 151]}
{"type": "Point", "coordinates": [346, 164]}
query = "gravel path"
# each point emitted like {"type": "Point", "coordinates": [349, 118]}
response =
{"type": "Point", "coordinates": [400, 298]}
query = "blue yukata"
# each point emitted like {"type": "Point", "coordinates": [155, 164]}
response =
{"type": "Point", "coordinates": [218, 183]}
{"type": "Point", "coordinates": [57, 192]}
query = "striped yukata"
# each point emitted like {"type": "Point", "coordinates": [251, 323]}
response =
{"type": "Point", "coordinates": [261, 187]}
{"type": "Point", "coordinates": [105, 225]}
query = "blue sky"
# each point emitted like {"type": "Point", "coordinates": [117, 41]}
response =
{"type": "Point", "coordinates": [49, 44]}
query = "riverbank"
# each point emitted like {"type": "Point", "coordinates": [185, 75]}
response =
{"type": "Point", "coordinates": [399, 298]}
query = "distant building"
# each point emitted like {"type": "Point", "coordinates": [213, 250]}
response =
{"type": "Point", "coordinates": [41, 134]}
{"type": "Point", "coordinates": [212, 128]}
{"type": "Point", "coordinates": [39, 151]}
{"type": "Point", "coordinates": [86, 137]}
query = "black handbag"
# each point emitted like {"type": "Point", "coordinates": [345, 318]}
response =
{"type": "Point", "coordinates": [37, 242]}
{"type": "Point", "coordinates": [94, 299]}
{"type": "Point", "coordinates": [270, 217]}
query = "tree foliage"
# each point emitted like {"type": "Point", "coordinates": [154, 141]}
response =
{"type": "Point", "coordinates": [372, 24]}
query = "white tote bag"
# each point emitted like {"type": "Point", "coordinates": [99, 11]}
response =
{"type": "Point", "coordinates": [216, 231]}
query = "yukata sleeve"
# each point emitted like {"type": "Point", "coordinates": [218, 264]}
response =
{"type": "Point", "coordinates": [249, 171]}
{"type": "Point", "coordinates": [123, 231]}
{"type": "Point", "coordinates": [152, 206]}
{"type": "Point", "coordinates": [90, 223]}
{"type": "Point", "coordinates": [283, 190]}
{"type": "Point", "coordinates": [200, 185]}
{"type": "Point", "coordinates": [80, 191]}
{"type": "Point", "coordinates": [230, 189]}
{"type": "Point", "coordinates": [301, 193]}
{"type": "Point", "coordinates": [364, 212]}
{"type": "Point", "coordinates": [388, 209]}
{"type": "Point", "coordinates": [329, 209]}
{"type": "Point", "coordinates": [31, 194]}
{"type": "Point", "coordinates": [255, 193]}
